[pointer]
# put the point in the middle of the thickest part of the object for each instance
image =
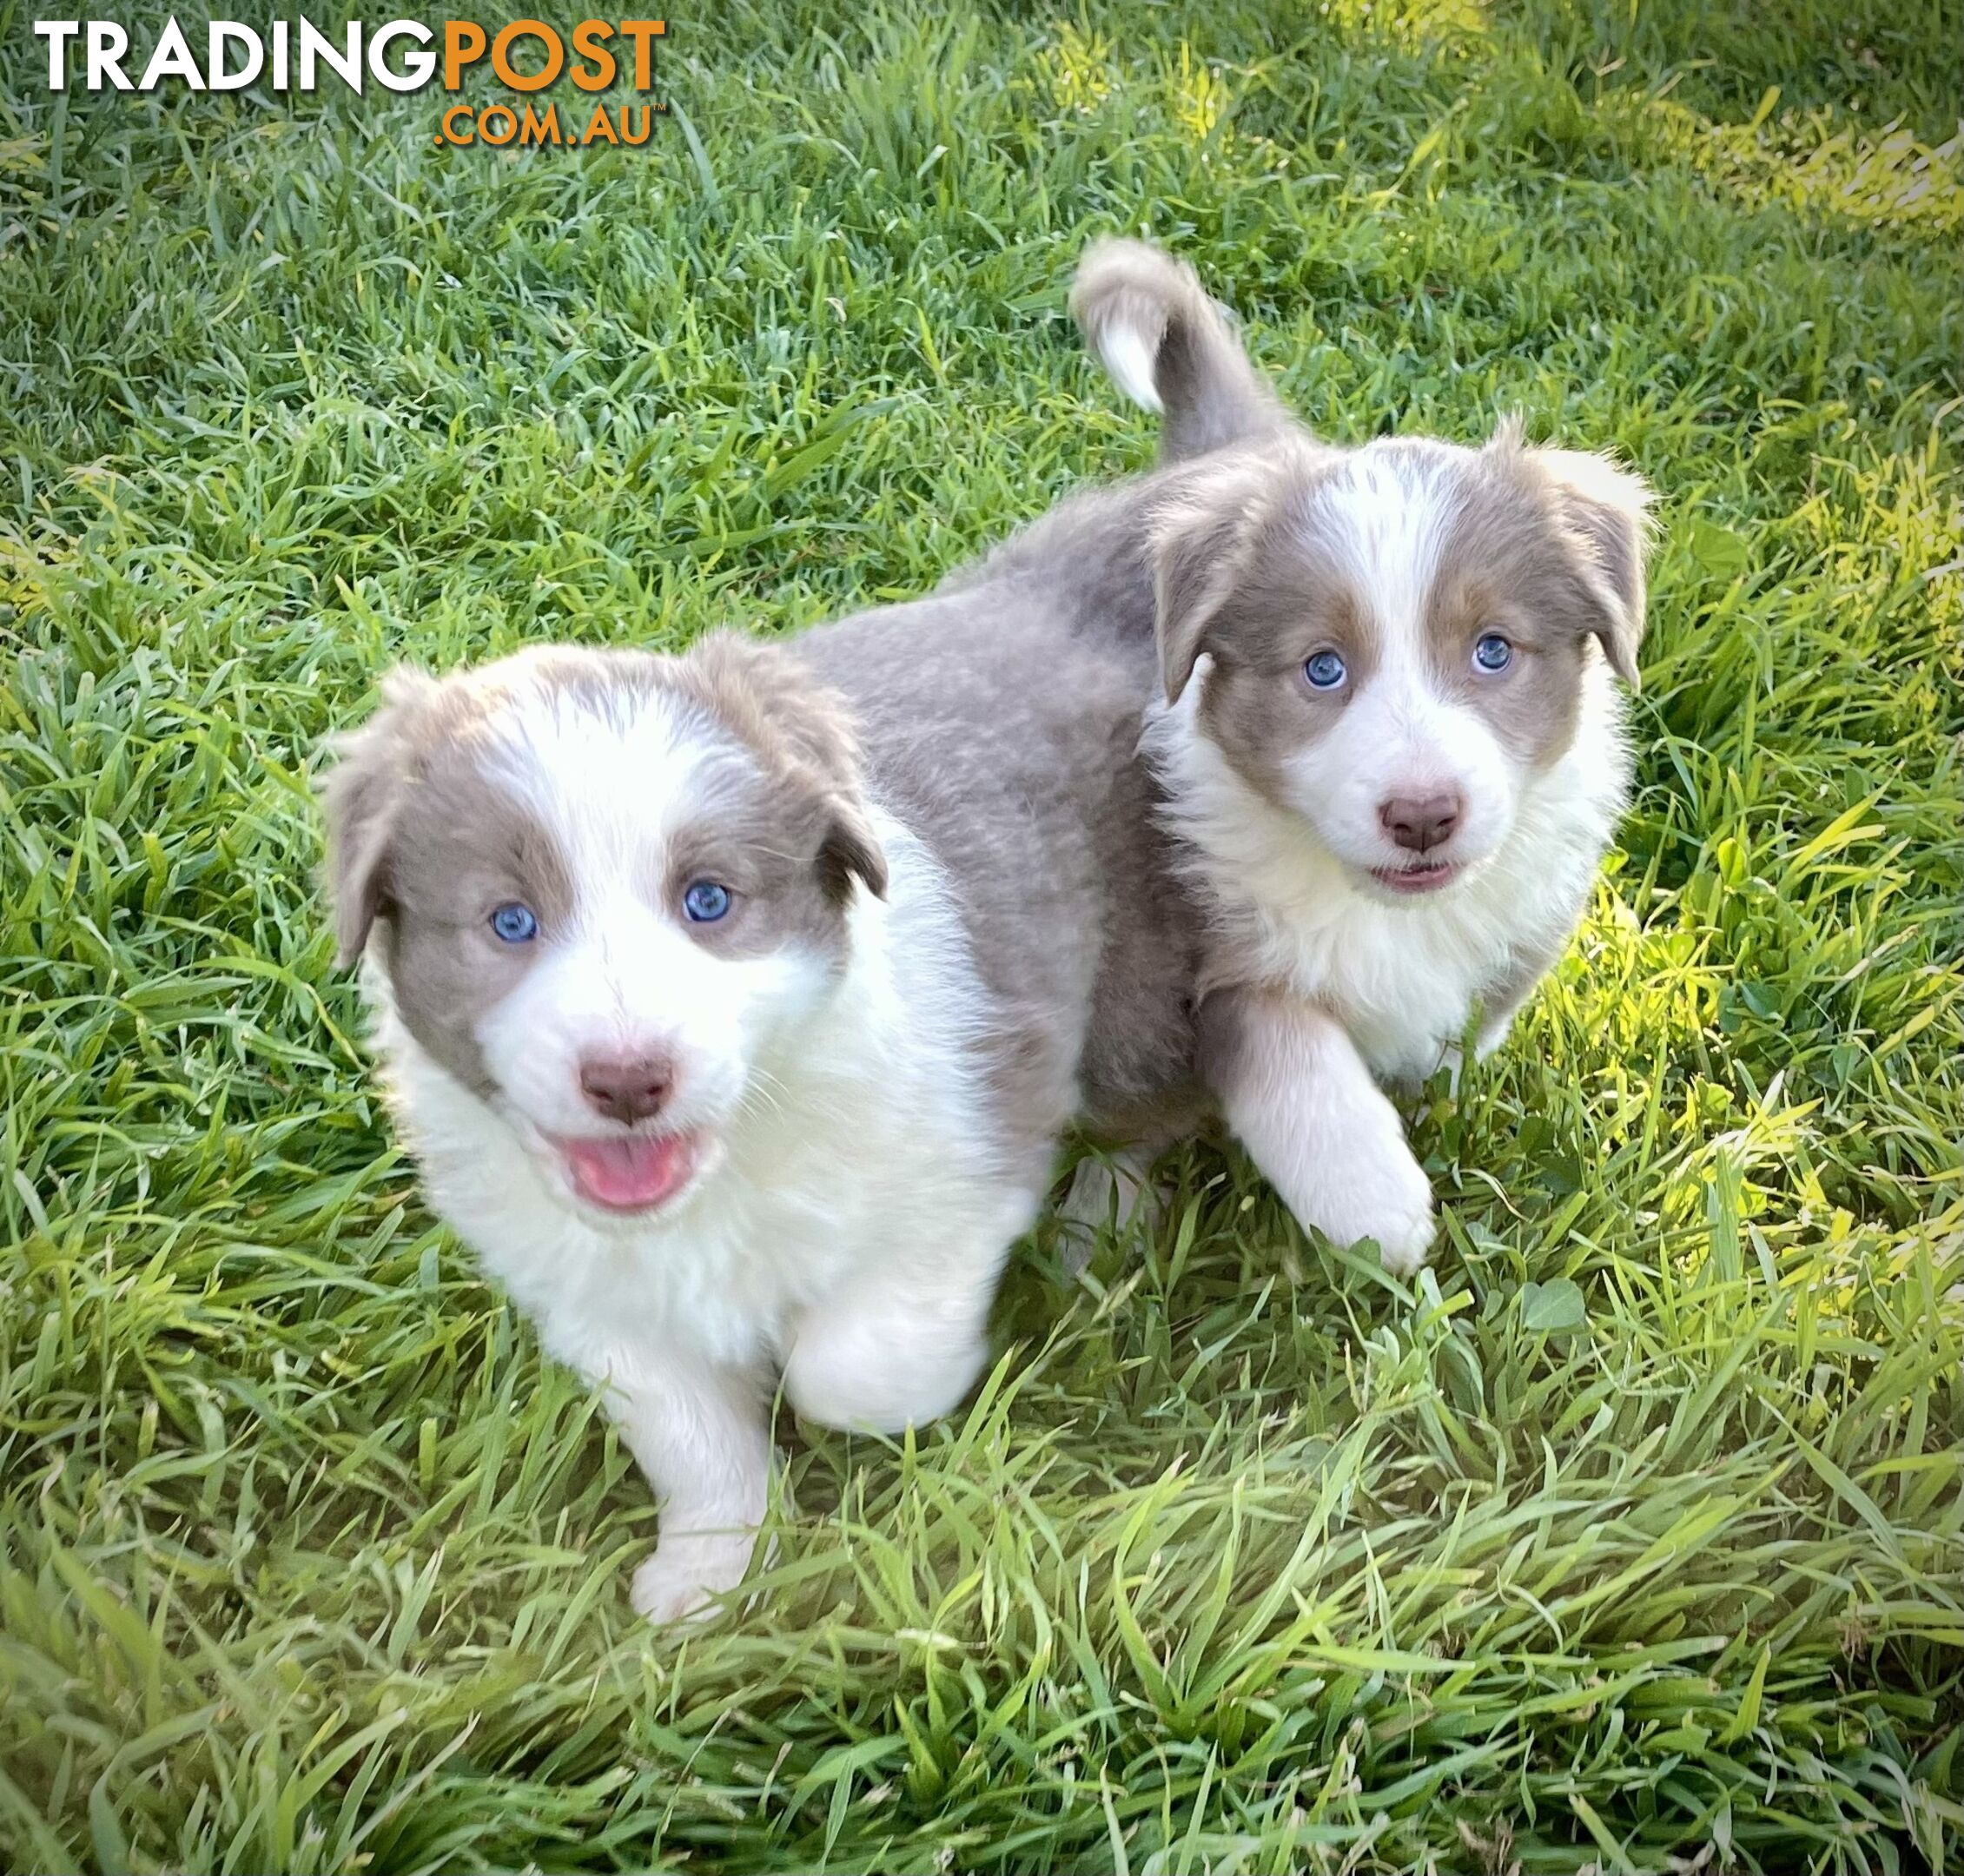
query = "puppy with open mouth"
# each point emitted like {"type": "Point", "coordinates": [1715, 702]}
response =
{"type": "Point", "coordinates": [1389, 735]}
{"type": "Point", "coordinates": [733, 1003]}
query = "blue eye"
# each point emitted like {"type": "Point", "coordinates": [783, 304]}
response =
{"type": "Point", "coordinates": [1493, 653]}
{"type": "Point", "coordinates": [515, 923]}
{"type": "Point", "coordinates": [706, 901]}
{"type": "Point", "coordinates": [1325, 670]}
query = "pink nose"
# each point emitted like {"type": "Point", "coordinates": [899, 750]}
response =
{"type": "Point", "coordinates": [1419, 826]}
{"type": "Point", "coordinates": [625, 1088]}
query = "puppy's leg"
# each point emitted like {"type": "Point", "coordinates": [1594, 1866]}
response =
{"type": "Point", "coordinates": [1300, 1098]}
{"type": "Point", "coordinates": [1497, 1019]}
{"type": "Point", "coordinates": [1110, 1189]}
{"type": "Point", "coordinates": [895, 1348]}
{"type": "Point", "coordinates": [1494, 1028]}
{"type": "Point", "coordinates": [1503, 1000]}
{"type": "Point", "coordinates": [701, 1436]}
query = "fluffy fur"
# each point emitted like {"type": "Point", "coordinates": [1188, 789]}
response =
{"type": "Point", "coordinates": [1379, 856]}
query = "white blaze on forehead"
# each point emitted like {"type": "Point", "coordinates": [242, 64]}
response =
{"type": "Point", "coordinates": [1385, 514]}
{"type": "Point", "coordinates": [612, 773]}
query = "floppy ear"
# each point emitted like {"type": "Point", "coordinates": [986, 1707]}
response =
{"type": "Point", "coordinates": [773, 701]}
{"type": "Point", "coordinates": [362, 794]}
{"type": "Point", "coordinates": [849, 851]}
{"type": "Point", "coordinates": [1199, 538]}
{"type": "Point", "coordinates": [1606, 512]}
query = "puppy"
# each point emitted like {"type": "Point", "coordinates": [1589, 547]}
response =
{"type": "Point", "coordinates": [1388, 733]}
{"type": "Point", "coordinates": [732, 1003]}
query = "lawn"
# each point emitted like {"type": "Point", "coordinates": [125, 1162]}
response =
{"type": "Point", "coordinates": [1630, 1533]}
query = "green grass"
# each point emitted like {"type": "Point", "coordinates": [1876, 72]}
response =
{"type": "Point", "coordinates": [1630, 1533]}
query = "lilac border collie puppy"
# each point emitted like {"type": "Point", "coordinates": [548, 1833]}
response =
{"type": "Point", "coordinates": [733, 1002]}
{"type": "Point", "coordinates": [1388, 735]}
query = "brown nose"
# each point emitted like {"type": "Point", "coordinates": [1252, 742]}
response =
{"type": "Point", "coordinates": [1419, 826]}
{"type": "Point", "coordinates": [625, 1088]}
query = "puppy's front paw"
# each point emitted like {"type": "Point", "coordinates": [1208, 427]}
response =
{"type": "Point", "coordinates": [1383, 1195]}
{"type": "Point", "coordinates": [1405, 1236]}
{"type": "Point", "coordinates": [688, 1572]}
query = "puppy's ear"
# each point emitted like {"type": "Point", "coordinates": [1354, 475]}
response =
{"type": "Point", "coordinates": [804, 731]}
{"type": "Point", "coordinates": [1605, 511]}
{"type": "Point", "coordinates": [362, 794]}
{"type": "Point", "coordinates": [1199, 538]}
{"type": "Point", "coordinates": [848, 851]}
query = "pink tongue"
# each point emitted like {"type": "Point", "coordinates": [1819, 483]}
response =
{"type": "Point", "coordinates": [630, 1174]}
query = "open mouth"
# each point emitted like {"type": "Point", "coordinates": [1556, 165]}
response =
{"type": "Point", "coordinates": [1417, 879]}
{"type": "Point", "coordinates": [628, 1171]}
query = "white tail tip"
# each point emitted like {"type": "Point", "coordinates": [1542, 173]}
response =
{"type": "Point", "coordinates": [1127, 354]}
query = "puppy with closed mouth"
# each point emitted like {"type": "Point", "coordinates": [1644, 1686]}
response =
{"type": "Point", "coordinates": [733, 1002]}
{"type": "Point", "coordinates": [1388, 732]}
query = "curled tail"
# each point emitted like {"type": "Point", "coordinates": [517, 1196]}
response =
{"type": "Point", "coordinates": [1169, 347]}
